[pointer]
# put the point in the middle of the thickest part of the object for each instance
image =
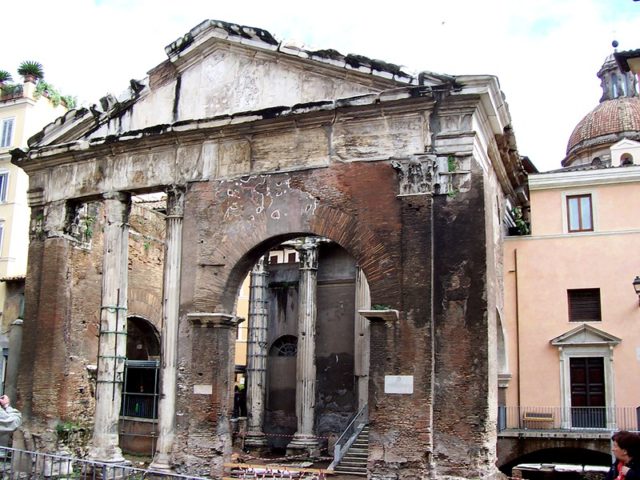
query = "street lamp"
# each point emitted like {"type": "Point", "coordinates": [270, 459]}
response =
{"type": "Point", "coordinates": [636, 287]}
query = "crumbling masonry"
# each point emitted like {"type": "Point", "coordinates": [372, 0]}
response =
{"type": "Point", "coordinates": [255, 143]}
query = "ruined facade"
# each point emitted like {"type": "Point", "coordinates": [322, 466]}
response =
{"type": "Point", "coordinates": [256, 143]}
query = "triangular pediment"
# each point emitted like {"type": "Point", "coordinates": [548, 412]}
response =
{"type": "Point", "coordinates": [220, 69]}
{"type": "Point", "coordinates": [585, 335]}
{"type": "Point", "coordinates": [625, 143]}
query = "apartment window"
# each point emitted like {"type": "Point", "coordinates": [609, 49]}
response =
{"type": "Point", "coordinates": [4, 184]}
{"type": "Point", "coordinates": [6, 128]}
{"type": "Point", "coordinates": [584, 305]}
{"type": "Point", "coordinates": [579, 213]}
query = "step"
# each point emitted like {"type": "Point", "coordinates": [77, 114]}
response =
{"type": "Point", "coordinates": [356, 455]}
{"type": "Point", "coordinates": [347, 468]}
{"type": "Point", "coordinates": [358, 450]}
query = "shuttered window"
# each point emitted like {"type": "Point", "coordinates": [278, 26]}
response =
{"type": "Point", "coordinates": [6, 132]}
{"type": "Point", "coordinates": [584, 305]}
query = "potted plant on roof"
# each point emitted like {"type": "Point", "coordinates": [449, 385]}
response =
{"type": "Point", "coordinates": [5, 77]}
{"type": "Point", "coordinates": [31, 71]}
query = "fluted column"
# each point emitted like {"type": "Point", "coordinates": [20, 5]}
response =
{"type": "Point", "coordinates": [113, 329]}
{"type": "Point", "coordinates": [257, 355]}
{"type": "Point", "coordinates": [171, 302]}
{"type": "Point", "coordinates": [306, 357]}
{"type": "Point", "coordinates": [362, 339]}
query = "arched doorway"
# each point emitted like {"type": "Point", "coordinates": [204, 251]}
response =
{"type": "Point", "coordinates": [337, 341]}
{"type": "Point", "coordinates": [139, 411]}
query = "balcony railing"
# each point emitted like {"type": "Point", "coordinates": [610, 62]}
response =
{"type": "Point", "coordinates": [572, 418]}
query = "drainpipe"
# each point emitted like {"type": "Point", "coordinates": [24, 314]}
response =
{"type": "Point", "coordinates": [515, 269]}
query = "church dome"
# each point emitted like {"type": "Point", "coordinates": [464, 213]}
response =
{"type": "Point", "coordinates": [616, 117]}
{"type": "Point", "coordinates": [609, 122]}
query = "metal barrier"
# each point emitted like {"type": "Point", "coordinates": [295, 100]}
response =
{"type": "Point", "coordinates": [23, 464]}
{"type": "Point", "coordinates": [572, 418]}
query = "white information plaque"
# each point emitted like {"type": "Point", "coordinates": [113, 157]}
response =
{"type": "Point", "coordinates": [203, 389]}
{"type": "Point", "coordinates": [400, 384]}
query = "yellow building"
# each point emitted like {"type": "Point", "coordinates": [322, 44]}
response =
{"type": "Point", "coordinates": [22, 113]}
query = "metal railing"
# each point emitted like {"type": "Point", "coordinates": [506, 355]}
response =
{"type": "Point", "coordinates": [19, 464]}
{"type": "Point", "coordinates": [357, 423]}
{"type": "Point", "coordinates": [572, 418]}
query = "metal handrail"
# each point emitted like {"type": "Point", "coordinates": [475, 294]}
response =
{"type": "Point", "coordinates": [568, 418]}
{"type": "Point", "coordinates": [349, 435]}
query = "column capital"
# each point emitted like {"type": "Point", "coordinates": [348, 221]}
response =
{"type": "Point", "coordinates": [308, 251]}
{"type": "Point", "coordinates": [175, 201]}
{"type": "Point", "coordinates": [212, 320]}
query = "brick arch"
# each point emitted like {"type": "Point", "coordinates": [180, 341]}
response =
{"type": "Point", "coordinates": [360, 241]}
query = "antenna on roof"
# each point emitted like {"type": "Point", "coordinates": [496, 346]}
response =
{"type": "Point", "coordinates": [615, 43]}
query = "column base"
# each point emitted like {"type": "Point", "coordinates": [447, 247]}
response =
{"type": "Point", "coordinates": [161, 463]}
{"type": "Point", "coordinates": [304, 443]}
{"type": "Point", "coordinates": [255, 439]}
{"type": "Point", "coordinates": [111, 455]}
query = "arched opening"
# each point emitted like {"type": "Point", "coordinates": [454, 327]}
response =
{"type": "Point", "coordinates": [564, 456]}
{"type": "Point", "coordinates": [626, 159]}
{"type": "Point", "coordinates": [339, 339]}
{"type": "Point", "coordinates": [139, 410]}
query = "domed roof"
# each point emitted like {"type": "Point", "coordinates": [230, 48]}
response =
{"type": "Point", "coordinates": [611, 117]}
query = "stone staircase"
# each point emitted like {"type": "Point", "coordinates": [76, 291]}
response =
{"type": "Point", "coordinates": [355, 460]}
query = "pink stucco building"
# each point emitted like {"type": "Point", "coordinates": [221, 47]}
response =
{"type": "Point", "coordinates": [571, 324]}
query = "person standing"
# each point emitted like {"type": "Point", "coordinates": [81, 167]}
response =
{"type": "Point", "coordinates": [10, 418]}
{"type": "Point", "coordinates": [626, 450]}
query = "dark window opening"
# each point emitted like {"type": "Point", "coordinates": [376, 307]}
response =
{"type": "Point", "coordinates": [285, 346]}
{"type": "Point", "coordinates": [584, 305]}
{"type": "Point", "coordinates": [141, 374]}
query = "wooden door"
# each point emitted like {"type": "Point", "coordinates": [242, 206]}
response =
{"type": "Point", "coordinates": [587, 392]}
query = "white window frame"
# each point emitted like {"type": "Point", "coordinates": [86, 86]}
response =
{"type": "Point", "coordinates": [568, 352]}
{"type": "Point", "coordinates": [4, 186]}
{"type": "Point", "coordinates": [1, 236]}
{"type": "Point", "coordinates": [6, 141]}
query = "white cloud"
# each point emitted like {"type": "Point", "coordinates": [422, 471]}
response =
{"type": "Point", "coordinates": [545, 53]}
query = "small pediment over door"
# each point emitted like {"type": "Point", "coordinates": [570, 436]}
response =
{"type": "Point", "coordinates": [585, 335]}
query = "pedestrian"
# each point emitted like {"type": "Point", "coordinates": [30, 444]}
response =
{"type": "Point", "coordinates": [10, 418]}
{"type": "Point", "coordinates": [626, 450]}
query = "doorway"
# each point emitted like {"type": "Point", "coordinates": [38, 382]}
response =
{"type": "Point", "coordinates": [588, 399]}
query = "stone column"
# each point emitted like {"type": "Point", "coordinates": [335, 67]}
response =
{"type": "Point", "coordinates": [305, 439]}
{"type": "Point", "coordinates": [257, 355]}
{"type": "Point", "coordinates": [13, 363]}
{"type": "Point", "coordinates": [169, 358]}
{"type": "Point", "coordinates": [362, 339]}
{"type": "Point", "coordinates": [112, 349]}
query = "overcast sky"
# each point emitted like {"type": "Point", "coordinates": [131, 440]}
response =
{"type": "Point", "coordinates": [544, 52]}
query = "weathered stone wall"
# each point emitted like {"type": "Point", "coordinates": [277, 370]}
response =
{"type": "Point", "coordinates": [461, 420]}
{"type": "Point", "coordinates": [60, 342]}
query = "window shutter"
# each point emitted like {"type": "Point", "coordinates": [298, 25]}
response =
{"type": "Point", "coordinates": [584, 305]}
{"type": "Point", "coordinates": [7, 132]}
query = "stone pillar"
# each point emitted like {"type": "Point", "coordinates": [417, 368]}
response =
{"type": "Point", "coordinates": [362, 339]}
{"type": "Point", "coordinates": [112, 353]}
{"type": "Point", "coordinates": [211, 401]}
{"type": "Point", "coordinates": [257, 355]}
{"type": "Point", "coordinates": [13, 363]}
{"type": "Point", "coordinates": [304, 438]}
{"type": "Point", "coordinates": [171, 302]}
